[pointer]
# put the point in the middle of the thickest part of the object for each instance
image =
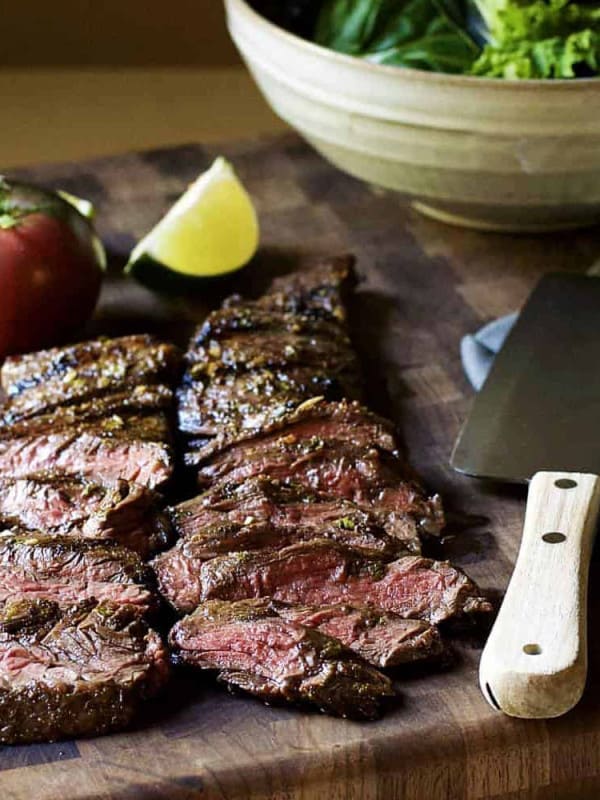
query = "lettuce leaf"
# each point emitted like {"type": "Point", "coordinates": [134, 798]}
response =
{"type": "Point", "coordinates": [536, 20]}
{"type": "Point", "coordinates": [539, 39]}
{"type": "Point", "coordinates": [492, 38]}
{"type": "Point", "coordinates": [577, 55]}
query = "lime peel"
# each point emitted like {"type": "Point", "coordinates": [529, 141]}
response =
{"type": "Point", "coordinates": [211, 230]}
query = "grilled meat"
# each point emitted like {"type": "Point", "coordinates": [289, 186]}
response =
{"type": "Point", "coordinates": [233, 405]}
{"type": "Point", "coordinates": [277, 660]}
{"type": "Point", "coordinates": [286, 506]}
{"type": "Point", "coordinates": [321, 572]}
{"type": "Point", "coordinates": [190, 553]}
{"type": "Point", "coordinates": [251, 363]}
{"type": "Point", "coordinates": [215, 540]}
{"type": "Point", "coordinates": [125, 513]}
{"type": "Point", "coordinates": [66, 570]}
{"type": "Point", "coordinates": [384, 640]}
{"type": "Point", "coordinates": [130, 448]}
{"type": "Point", "coordinates": [50, 378]}
{"type": "Point", "coordinates": [250, 317]}
{"type": "Point", "coordinates": [368, 476]}
{"type": "Point", "coordinates": [320, 290]}
{"type": "Point", "coordinates": [134, 400]}
{"type": "Point", "coordinates": [74, 672]}
{"type": "Point", "coordinates": [272, 350]}
{"type": "Point", "coordinates": [314, 420]}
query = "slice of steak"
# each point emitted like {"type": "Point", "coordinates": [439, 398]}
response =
{"type": "Point", "coordinates": [231, 405]}
{"type": "Point", "coordinates": [279, 661]}
{"type": "Point", "coordinates": [384, 640]}
{"type": "Point", "coordinates": [320, 289]}
{"type": "Point", "coordinates": [188, 555]}
{"type": "Point", "coordinates": [321, 572]}
{"type": "Point", "coordinates": [249, 317]}
{"type": "Point", "coordinates": [125, 513]}
{"type": "Point", "coordinates": [144, 399]}
{"type": "Point", "coordinates": [66, 570]}
{"type": "Point", "coordinates": [366, 475]}
{"type": "Point", "coordinates": [119, 361]}
{"type": "Point", "coordinates": [281, 350]}
{"type": "Point", "coordinates": [130, 448]}
{"type": "Point", "coordinates": [74, 672]}
{"type": "Point", "coordinates": [313, 422]}
{"type": "Point", "coordinates": [285, 506]}
{"type": "Point", "coordinates": [232, 537]}
{"type": "Point", "coordinates": [50, 378]}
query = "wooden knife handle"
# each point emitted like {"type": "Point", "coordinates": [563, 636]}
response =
{"type": "Point", "coordinates": [535, 661]}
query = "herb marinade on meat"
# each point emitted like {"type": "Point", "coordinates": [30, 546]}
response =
{"type": "Point", "coordinates": [298, 565]}
{"type": "Point", "coordinates": [122, 512]}
{"type": "Point", "coordinates": [76, 671]}
{"type": "Point", "coordinates": [86, 438]}
{"type": "Point", "coordinates": [310, 518]}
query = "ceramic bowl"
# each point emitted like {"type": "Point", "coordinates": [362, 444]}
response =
{"type": "Point", "coordinates": [489, 154]}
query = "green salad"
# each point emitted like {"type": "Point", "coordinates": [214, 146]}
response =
{"type": "Point", "coordinates": [491, 38]}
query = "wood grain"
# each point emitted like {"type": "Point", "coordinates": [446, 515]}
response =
{"type": "Point", "coordinates": [424, 285]}
{"type": "Point", "coordinates": [534, 662]}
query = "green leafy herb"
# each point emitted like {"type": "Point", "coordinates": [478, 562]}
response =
{"type": "Point", "coordinates": [425, 34]}
{"type": "Point", "coordinates": [349, 25]}
{"type": "Point", "coordinates": [513, 38]}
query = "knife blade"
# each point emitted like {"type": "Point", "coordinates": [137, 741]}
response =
{"type": "Point", "coordinates": [535, 421]}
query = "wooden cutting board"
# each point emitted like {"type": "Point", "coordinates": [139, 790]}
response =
{"type": "Point", "coordinates": [424, 286]}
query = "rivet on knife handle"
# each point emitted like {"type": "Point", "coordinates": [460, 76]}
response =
{"type": "Point", "coordinates": [535, 661]}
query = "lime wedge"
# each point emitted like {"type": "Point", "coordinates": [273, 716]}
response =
{"type": "Point", "coordinates": [85, 208]}
{"type": "Point", "coordinates": [210, 231]}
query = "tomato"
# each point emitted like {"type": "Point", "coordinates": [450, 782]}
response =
{"type": "Point", "coordinates": [51, 268]}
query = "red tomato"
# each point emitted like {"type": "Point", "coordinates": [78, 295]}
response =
{"type": "Point", "coordinates": [51, 267]}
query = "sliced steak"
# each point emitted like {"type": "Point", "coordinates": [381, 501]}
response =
{"type": "Point", "coordinates": [384, 640]}
{"type": "Point", "coordinates": [231, 405]}
{"type": "Point", "coordinates": [320, 289]}
{"type": "Point", "coordinates": [249, 317]}
{"type": "Point", "coordinates": [308, 425]}
{"type": "Point", "coordinates": [321, 572]}
{"type": "Point", "coordinates": [61, 375]}
{"type": "Point", "coordinates": [137, 399]}
{"type": "Point", "coordinates": [279, 661]}
{"type": "Point", "coordinates": [272, 350]}
{"type": "Point", "coordinates": [74, 672]}
{"type": "Point", "coordinates": [130, 448]}
{"type": "Point", "coordinates": [66, 570]}
{"type": "Point", "coordinates": [188, 555]}
{"type": "Point", "coordinates": [124, 512]}
{"type": "Point", "coordinates": [368, 476]}
{"type": "Point", "coordinates": [232, 537]}
{"type": "Point", "coordinates": [315, 421]}
{"type": "Point", "coordinates": [251, 363]}
{"type": "Point", "coordinates": [285, 506]}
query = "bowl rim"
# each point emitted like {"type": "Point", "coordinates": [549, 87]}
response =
{"type": "Point", "coordinates": [409, 73]}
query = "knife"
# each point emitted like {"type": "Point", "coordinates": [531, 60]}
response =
{"type": "Point", "coordinates": [536, 421]}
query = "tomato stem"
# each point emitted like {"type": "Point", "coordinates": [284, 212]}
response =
{"type": "Point", "coordinates": [11, 212]}
{"type": "Point", "coordinates": [8, 220]}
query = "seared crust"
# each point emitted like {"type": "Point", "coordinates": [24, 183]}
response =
{"type": "Point", "coordinates": [279, 660]}
{"type": "Point", "coordinates": [126, 513]}
{"type": "Point", "coordinates": [80, 671]}
{"type": "Point", "coordinates": [66, 570]}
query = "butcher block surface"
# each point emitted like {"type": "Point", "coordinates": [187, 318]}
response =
{"type": "Point", "coordinates": [423, 285]}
